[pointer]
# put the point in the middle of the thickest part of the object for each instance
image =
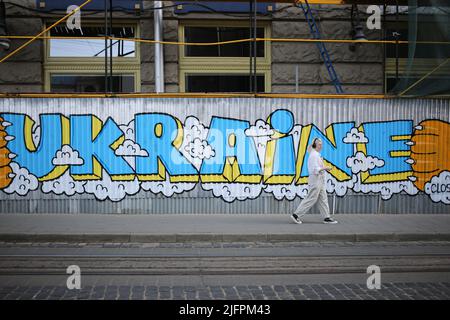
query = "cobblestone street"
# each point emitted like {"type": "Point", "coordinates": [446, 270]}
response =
{"type": "Point", "coordinates": [225, 270]}
{"type": "Point", "coordinates": [391, 291]}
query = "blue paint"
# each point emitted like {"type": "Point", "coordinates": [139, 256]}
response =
{"type": "Point", "coordinates": [88, 147]}
{"type": "Point", "coordinates": [244, 149]}
{"type": "Point", "coordinates": [161, 148]}
{"type": "Point", "coordinates": [38, 162]}
{"type": "Point", "coordinates": [381, 144]}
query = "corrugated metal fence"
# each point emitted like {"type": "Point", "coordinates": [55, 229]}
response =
{"type": "Point", "coordinates": [320, 112]}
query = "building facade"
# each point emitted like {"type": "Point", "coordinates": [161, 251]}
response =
{"type": "Point", "coordinates": [69, 65]}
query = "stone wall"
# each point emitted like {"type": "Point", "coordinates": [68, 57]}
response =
{"type": "Point", "coordinates": [23, 71]}
{"type": "Point", "coordinates": [360, 71]}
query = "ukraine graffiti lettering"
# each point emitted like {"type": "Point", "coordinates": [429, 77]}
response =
{"type": "Point", "coordinates": [232, 158]}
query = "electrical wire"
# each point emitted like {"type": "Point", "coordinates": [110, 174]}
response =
{"type": "Point", "coordinates": [142, 40]}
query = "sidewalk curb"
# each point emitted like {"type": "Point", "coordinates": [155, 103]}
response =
{"type": "Point", "coordinates": [211, 237]}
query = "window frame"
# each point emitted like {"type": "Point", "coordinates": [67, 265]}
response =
{"type": "Point", "coordinates": [93, 66]}
{"type": "Point", "coordinates": [421, 68]}
{"type": "Point", "coordinates": [223, 65]}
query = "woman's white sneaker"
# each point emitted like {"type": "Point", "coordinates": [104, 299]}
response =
{"type": "Point", "coordinates": [329, 221]}
{"type": "Point", "coordinates": [295, 218]}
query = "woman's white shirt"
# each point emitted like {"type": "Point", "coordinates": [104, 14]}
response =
{"type": "Point", "coordinates": [315, 164]}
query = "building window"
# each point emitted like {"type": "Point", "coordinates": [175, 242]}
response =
{"type": "Point", "coordinates": [426, 57]}
{"type": "Point", "coordinates": [222, 68]}
{"type": "Point", "coordinates": [90, 48]}
{"type": "Point", "coordinates": [78, 65]}
{"type": "Point", "coordinates": [219, 34]}
{"type": "Point", "coordinates": [90, 83]}
{"type": "Point", "coordinates": [221, 83]}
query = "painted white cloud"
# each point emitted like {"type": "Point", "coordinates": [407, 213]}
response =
{"type": "Point", "coordinates": [261, 145]}
{"type": "Point", "coordinates": [439, 188]}
{"type": "Point", "coordinates": [199, 149]}
{"type": "Point", "coordinates": [128, 130]}
{"type": "Point", "coordinates": [362, 163]}
{"type": "Point", "coordinates": [260, 129]}
{"type": "Point", "coordinates": [355, 136]}
{"type": "Point", "coordinates": [195, 130]}
{"type": "Point", "coordinates": [130, 148]}
{"type": "Point", "coordinates": [290, 191]}
{"type": "Point", "coordinates": [166, 187]}
{"type": "Point", "coordinates": [109, 189]}
{"type": "Point", "coordinates": [296, 133]}
{"type": "Point", "coordinates": [339, 187]}
{"type": "Point", "coordinates": [65, 184]}
{"type": "Point", "coordinates": [232, 191]}
{"type": "Point", "coordinates": [67, 156]}
{"type": "Point", "coordinates": [36, 135]}
{"type": "Point", "coordinates": [386, 189]}
{"type": "Point", "coordinates": [261, 133]}
{"type": "Point", "coordinates": [287, 191]}
{"type": "Point", "coordinates": [23, 181]}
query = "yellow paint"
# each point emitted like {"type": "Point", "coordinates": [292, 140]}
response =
{"type": "Point", "coordinates": [178, 141]}
{"type": "Point", "coordinates": [28, 134]}
{"type": "Point", "coordinates": [162, 173]}
{"type": "Point", "coordinates": [184, 178]}
{"type": "Point", "coordinates": [336, 172]}
{"type": "Point", "coordinates": [236, 173]}
{"type": "Point", "coordinates": [118, 142]}
{"type": "Point", "coordinates": [231, 173]}
{"type": "Point", "coordinates": [160, 176]}
{"type": "Point", "coordinates": [269, 178]}
{"type": "Point", "coordinates": [399, 138]}
{"type": "Point", "coordinates": [302, 147]}
{"type": "Point", "coordinates": [400, 153]}
{"type": "Point", "coordinates": [232, 140]}
{"type": "Point", "coordinates": [158, 130]}
{"type": "Point", "coordinates": [122, 177]}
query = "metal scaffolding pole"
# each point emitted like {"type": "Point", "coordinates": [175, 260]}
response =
{"type": "Point", "coordinates": [110, 46]}
{"type": "Point", "coordinates": [106, 45]}
{"type": "Point", "coordinates": [250, 46]}
{"type": "Point", "coordinates": [255, 82]}
{"type": "Point", "coordinates": [159, 52]}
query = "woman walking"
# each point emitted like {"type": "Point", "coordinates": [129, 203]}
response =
{"type": "Point", "coordinates": [317, 192]}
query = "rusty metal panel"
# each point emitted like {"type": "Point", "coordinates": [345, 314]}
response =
{"type": "Point", "coordinates": [221, 155]}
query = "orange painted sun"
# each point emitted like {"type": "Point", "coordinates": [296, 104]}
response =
{"type": "Point", "coordinates": [430, 151]}
{"type": "Point", "coordinates": [6, 173]}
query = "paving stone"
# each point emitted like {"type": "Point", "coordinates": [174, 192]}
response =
{"type": "Point", "coordinates": [391, 291]}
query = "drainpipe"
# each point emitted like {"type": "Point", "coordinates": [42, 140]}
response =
{"type": "Point", "coordinates": [159, 53]}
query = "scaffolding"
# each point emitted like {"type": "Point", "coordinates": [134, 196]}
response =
{"type": "Point", "coordinates": [252, 40]}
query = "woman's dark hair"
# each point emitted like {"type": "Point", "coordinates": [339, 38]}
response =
{"type": "Point", "coordinates": [314, 142]}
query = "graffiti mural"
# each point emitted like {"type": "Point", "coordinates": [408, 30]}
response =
{"type": "Point", "coordinates": [232, 158]}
